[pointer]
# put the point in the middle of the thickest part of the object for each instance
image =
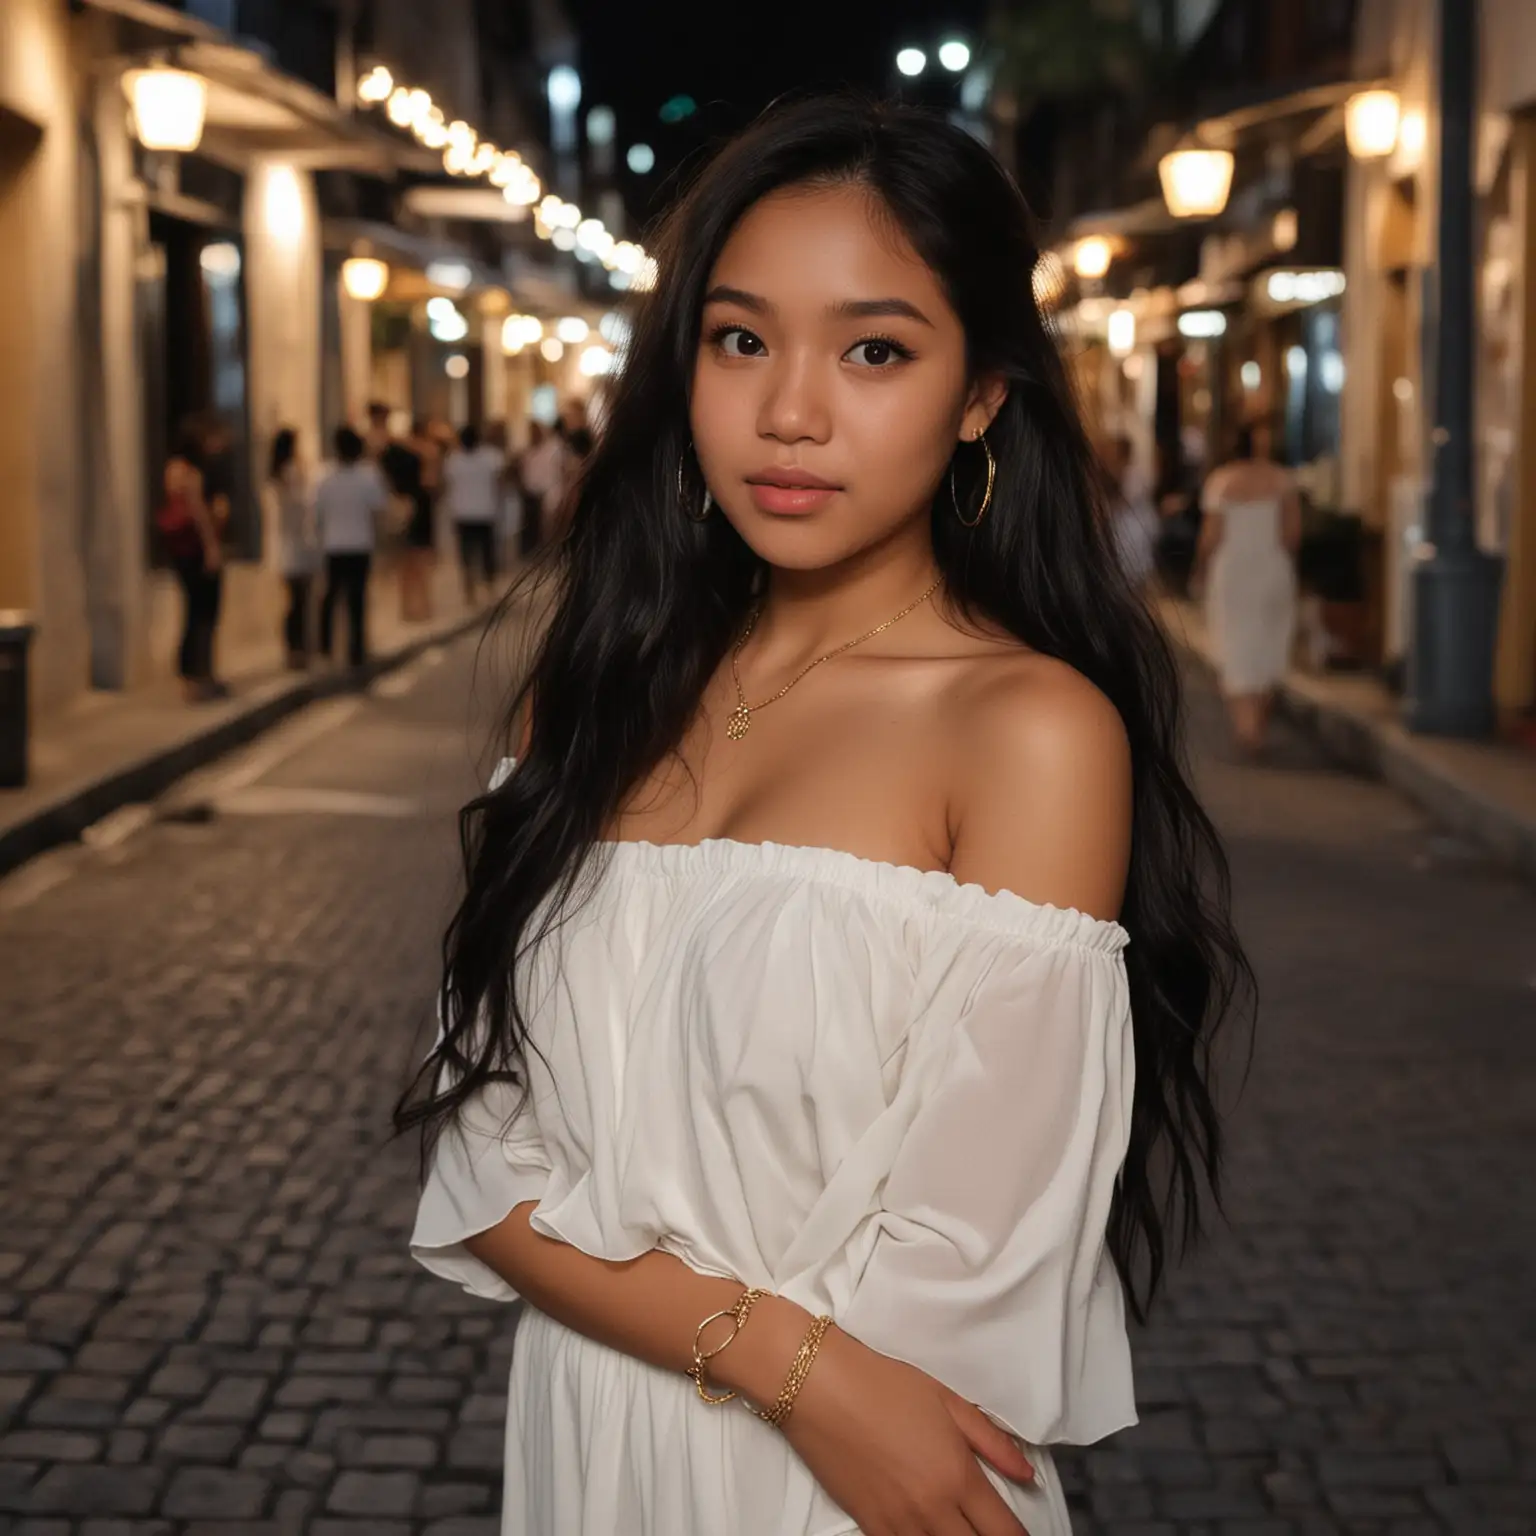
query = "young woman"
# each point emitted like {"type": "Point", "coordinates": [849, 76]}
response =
{"type": "Point", "coordinates": [846, 867]}
{"type": "Point", "coordinates": [291, 517]}
{"type": "Point", "coordinates": [1249, 538]}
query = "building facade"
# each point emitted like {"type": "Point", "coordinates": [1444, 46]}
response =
{"type": "Point", "coordinates": [1391, 218]}
{"type": "Point", "coordinates": [145, 286]}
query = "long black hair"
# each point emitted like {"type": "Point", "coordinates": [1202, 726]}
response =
{"type": "Point", "coordinates": [646, 603]}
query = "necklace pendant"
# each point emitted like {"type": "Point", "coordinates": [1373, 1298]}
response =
{"type": "Point", "coordinates": [739, 722]}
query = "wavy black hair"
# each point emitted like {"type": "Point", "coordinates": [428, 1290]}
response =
{"type": "Point", "coordinates": [645, 603]}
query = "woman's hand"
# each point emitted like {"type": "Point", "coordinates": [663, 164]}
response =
{"type": "Point", "coordinates": [899, 1451]}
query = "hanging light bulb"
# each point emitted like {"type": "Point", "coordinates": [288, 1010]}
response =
{"type": "Point", "coordinates": [169, 107]}
{"type": "Point", "coordinates": [376, 85]}
{"type": "Point", "coordinates": [1196, 182]}
{"type": "Point", "coordinates": [364, 277]}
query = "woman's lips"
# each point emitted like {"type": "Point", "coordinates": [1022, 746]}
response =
{"type": "Point", "coordinates": [788, 500]}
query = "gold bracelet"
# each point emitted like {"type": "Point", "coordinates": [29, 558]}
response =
{"type": "Point", "coordinates": [797, 1374]}
{"type": "Point", "coordinates": [738, 1315]}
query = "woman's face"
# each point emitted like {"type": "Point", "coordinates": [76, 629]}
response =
{"type": "Point", "coordinates": [830, 388]}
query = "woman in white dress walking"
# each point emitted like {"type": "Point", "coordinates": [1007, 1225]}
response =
{"type": "Point", "coordinates": [1248, 542]}
{"type": "Point", "coordinates": [825, 1026]}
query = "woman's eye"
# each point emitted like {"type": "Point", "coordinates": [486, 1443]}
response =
{"type": "Point", "coordinates": [877, 353]}
{"type": "Point", "coordinates": [736, 342]}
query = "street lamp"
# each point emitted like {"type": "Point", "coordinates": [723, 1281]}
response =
{"type": "Point", "coordinates": [169, 107]}
{"type": "Point", "coordinates": [1371, 121]}
{"type": "Point", "coordinates": [1091, 257]}
{"type": "Point", "coordinates": [911, 62]}
{"type": "Point", "coordinates": [364, 277]}
{"type": "Point", "coordinates": [1196, 182]}
{"type": "Point", "coordinates": [954, 55]}
{"type": "Point", "coordinates": [564, 88]}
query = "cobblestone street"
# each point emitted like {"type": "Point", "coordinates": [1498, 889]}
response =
{"type": "Point", "coordinates": [209, 1322]}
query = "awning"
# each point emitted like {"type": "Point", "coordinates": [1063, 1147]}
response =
{"type": "Point", "coordinates": [255, 109]}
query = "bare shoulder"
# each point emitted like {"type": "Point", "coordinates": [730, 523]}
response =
{"type": "Point", "coordinates": [1041, 786]}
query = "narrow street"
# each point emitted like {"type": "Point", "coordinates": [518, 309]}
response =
{"type": "Point", "coordinates": [208, 1320]}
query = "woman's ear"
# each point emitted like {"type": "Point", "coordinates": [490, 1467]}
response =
{"type": "Point", "coordinates": [985, 401]}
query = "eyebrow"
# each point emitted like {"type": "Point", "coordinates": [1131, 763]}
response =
{"type": "Point", "coordinates": [848, 309]}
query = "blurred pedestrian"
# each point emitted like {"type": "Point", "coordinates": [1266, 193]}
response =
{"type": "Point", "coordinates": [541, 472]}
{"type": "Point", "coordinates": [1246, 557]}
{"type": "Point", "coordinates": [472, 479]}
{"type": "Point", "coordinates": [352, 500]}
{"type": "Point", "coordinates": [400, 464]}
{"type": "Point", "coordinates": [1133, 518]}
{"type": "Point", "coordinates": [189, 538]}
{"type": "Point", "coordinates": [290, 515]}
{"type": "Point", "coordinates": [421, 527]}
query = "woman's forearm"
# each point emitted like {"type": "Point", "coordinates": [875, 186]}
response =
{"type": "Point", "coordinates": [648, 1307]}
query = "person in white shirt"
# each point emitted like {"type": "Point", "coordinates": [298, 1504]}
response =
{"type": "Point", "coordinates": [289, 505]}
{"type": "Point", "coordinates": [542, 471]}
{"type": "Point", "coordinates": [472, 483]}
{"type": "Point", "coordinates": [348, 505]}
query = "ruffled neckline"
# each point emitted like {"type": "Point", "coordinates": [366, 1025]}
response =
{"type": "Point", "coordinates": [903, 884]}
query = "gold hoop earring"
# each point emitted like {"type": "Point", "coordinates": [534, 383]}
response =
{"type": "Point", "coordinates": [682, 498]}
{"type": "Point", "coordinates": [986, 500]}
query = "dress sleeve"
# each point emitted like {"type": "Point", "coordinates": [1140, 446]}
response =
{"type": "Point", "coordinates": [987, 1267]}
{"type": "Point", "coordinates": [491, 1160]}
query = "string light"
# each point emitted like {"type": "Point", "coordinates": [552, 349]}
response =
{"type": "Point", "coordinates": [466, 154]}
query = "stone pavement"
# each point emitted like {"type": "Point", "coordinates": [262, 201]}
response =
{"type": "Point", "coordinates": [209, 1324]}
{"type": "Point", "coordinates": [109, 750]}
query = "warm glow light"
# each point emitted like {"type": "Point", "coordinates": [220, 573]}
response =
{"type": "Point", "coordinates": [169, 106]}
{"type": "Point", "coordinates": [595, 361]}
{"type": "Point", "coordinates": [524, 187]}
{"type": "Point", "coordinates": [1120, 331]}
{"type": "Point", "coordinates": [432, 134]}
{"type": "Point", "coordinates": [402, 108]}
{"type": "Point", "coordinates": [220, 261]}
{"type": "Point", "coordinates": [551, 349]}
{"type": "Point", "coordinates": [589, 234]}
{"type": "Point", "coordinates": [643, 278]}
{"type": "Point", "coordinates": [564, 239]}
{"type": "Point", "coordinates": [1286, 230]}
{"type": "Point", "coordinates": [572, 329]}
{"type": "Point", "coordinates": [1091, 257]}
{"type": "Point", "coordinates": [283, 203]}
{"type": "Point", "coordinates": [1202, 324]}
{"type": "Point", "coordinates": [519, 331]}
{"type": "Point", "coordinates": [911, 61]}
{"type": "Point", "coordinates": [458, 159]}
{"type": "Point", "coordinates": [1370, 123]}
{"type": "Point", "coordinates": [376, 85]}
{"type": "Point", "coordinates": [506, 170]}
{"type": "Point", "coordinates": [1411, 134]}
{"type": "Point", "coordinates": [364, 277]}
{"type": "Point", "coordinates": [456, 366]}
{"type": "Point", "coordinates": [1196, 182]}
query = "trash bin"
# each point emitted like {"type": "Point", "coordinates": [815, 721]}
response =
{"type": "Point", "coordinates": [15, 636]}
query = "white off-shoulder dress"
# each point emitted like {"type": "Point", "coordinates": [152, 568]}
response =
{"type": "Point", "coordinates": [888, 1096]}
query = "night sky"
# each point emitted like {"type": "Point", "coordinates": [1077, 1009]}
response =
{"type": "Point", "coordinates": [733, 58]}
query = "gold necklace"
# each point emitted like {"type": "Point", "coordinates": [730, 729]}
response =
{"type": "Point", "coordinates": [741, 717]}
